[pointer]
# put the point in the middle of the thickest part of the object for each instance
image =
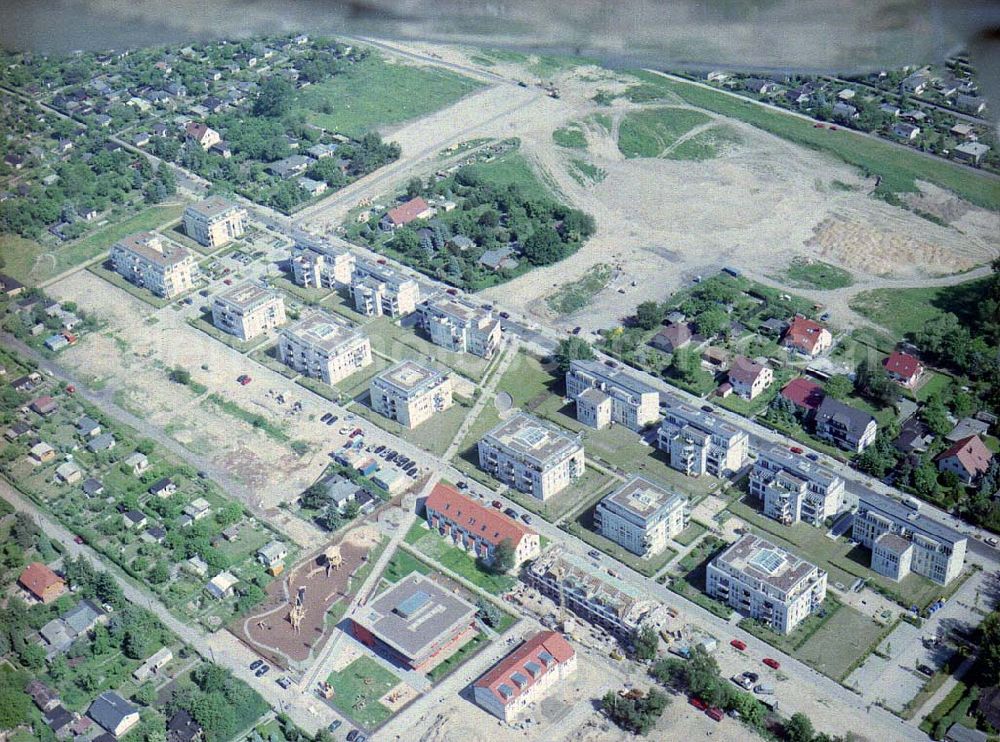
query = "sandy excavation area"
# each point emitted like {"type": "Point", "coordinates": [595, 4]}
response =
{"type": "Point", "coordinates": [131, 358]}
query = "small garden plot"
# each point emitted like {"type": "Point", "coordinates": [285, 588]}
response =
{"type": "Point", "coordinates": [357, 690]}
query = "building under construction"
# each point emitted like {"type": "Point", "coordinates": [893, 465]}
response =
{"type": "Point", "coordinates": [573, 584]}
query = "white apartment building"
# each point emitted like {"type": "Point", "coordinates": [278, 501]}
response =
{"type": "Point", "coordinates": [766, 583]}
{"type": "Point", "coordinates": [604, 395]}
{"type": "Point", "coordinates": [323, 269]}
{"type": "Point", "coordinates": [411, 393]}
{"type": "Point", "coordinates": [214, 222]}
{"type": "Point", "coordinates": [532, 456]}
{"type": "Point", "coordinates": [247, 310]}
{"type": "Point", "coordinates": [698, 443]}
{"type": "Point", "coordinates": [147, 260]}
{"type": "Point", "coordinates": [460, 326]}
{"type": "Point", "coordinates": [935, 550]}
{"type": "Point", "coordinates": [325, 347]}
{"type": "Point", "coordinates": [378, 289]}
{"type": "Point", "coordinates": [642, 516]}
{"type": "Point", "coordinates": [794, 489]}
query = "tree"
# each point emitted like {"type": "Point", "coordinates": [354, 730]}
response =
{"type": "Point", "coordinates": [572, 349]}
{"type": "Point", "coordinates": [799, 728]}
{"type": "Point", "coordinates": [989, 649]}
{"type": "Point", "coordinates": [838, 386]}
{"type": "Point", "coordinates": [872, 381]}
{"type": "Point", "coordinates": [489, 613]}
{"type": "Point", "coordinates": [15, 705]}
{"type": "Point", "coordinates": [314, 497]}
{"type": "Point", "coordinates": [274, 98]}
{"type": "Point", "coordinates": [504, 556]}
{"type": "Point", "coordinates": [647, 315]}
{"type": "Point", "coordinates": [712, 322]}
{"type": "Point", "coordinates": [179, 375]}
{"type": "Point", "coordinates": [544, 246]}
{"type": "Point", "coordinates": [646, 643]}
{"type": "Point", "coordinates": [352, 510]}
{"type": "Point", "coordinates": [145, 694]}
{"type": "Point", "coordinates": [414, 187]}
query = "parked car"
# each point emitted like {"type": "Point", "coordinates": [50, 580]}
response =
{"type": "Point", "coordinates": [773, 664]}
{"type": "Point", "coordinates": [764, 690]}
{"type": "Point", "coordinates": [510, 513]}
{"type": "Point", "coordinates": [255, 664]}
{"type": "Point", "coordinates": [707, 408]}
{"type": "Point", "coordinates": [332, 420]}
{"type": "Point", "coordinates": [698, 703]}
{"type": "Point", "coordinates": [504, 315]}
{"type": "Point", "coordinates": [714, 713]}
{"type": "Point", "coordinates": [925, 670]}
{"type": "Point", "coordinates": [352, 735]}
{"type": "Point", "coordinates": [594, 554]}
{"type": "Point", "coordinates": [463, 485]}
{"type": "Point", "coordinates": [70, 389]}
{"type": "Point", "coordinates": [78, 539]}
{"type": "Point", "coordinates": [739, 644]}
{"type": "Point", "coordinates": [497, 504]}
{"type": "Point", "coordinates": [379, 449]}
{"type": "Point", "coordinates": [262, 671]}
{"type": "Point", "coordinates": [335, 725]}
{"type": "Point", "coordinates": [326, 418]}
{"type": "Point", "coordinates": [796, 449]}
{"type": "Point", "coordinates": [391, 456]}
{"type": "Point", "coordinates": [812, 456]}
{"type": "Point", "coordinates": [526, 517]}
{"type": "Point", "coordinates": [285, 682]}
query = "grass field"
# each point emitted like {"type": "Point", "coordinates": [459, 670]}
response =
{"type": "Point", "coordinates": [31, 262]}
{"type": "Point", "coordinates": [465, 652]}
{"type": "Point", "coordinates": [840, 642]}
{"type": "Point", "coordinates": [389, 339]}
{"type": "Point", "coordinates": [815, 274]}
{"type": "Point", "coordinates": [577, 294]}
{"type": "Point", "coordinates": [404, 563]}
{"type": "Point", "coordinates": [511, 167]}
{"type": "Point", "coordinates": [454, 559]}
{"type": "Point", "coordinates": [898, 167]}
{"type": "Point", "coordinates": [363, 679]}
{"type": "Point", "coordinates": [375, 93]}
{"type": "Point", "coordinates": [585, 173]}
{"type": "Point", "coordinates": [905, 311]}
{"type": "Point", "coordinates": [570, 136]}
{"type": "Point", "coordinates": [706, 145]}
{"type": "Point", "coordinates": [647, 133]}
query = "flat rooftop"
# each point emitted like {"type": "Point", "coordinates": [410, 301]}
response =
{"type": "Point", "coordinates": [914, 519]}
{"type": "Point", "coordinates": [326, 331]}
{"type": "Point", "coordinates": [381, 273]}
{"type": "Point", "coordinates": [759, 559]}
{"type": "Point", "coordinates": [614, 377]}
{"type": "Point", "coordinates": [409, 376]}
{"type": "Point", "coordinates": [527, 436]}
{"type": "Point", "coordinates": [246, 295]}
{"type": "Point", "coordinates": [461, 311]}
{"type": "Point", "coordinates": [415, 614]}
{"type": "Point", "coordinates": [643, 497]}
{"type": "Point", "coordinates": [154, 248]}
{"type": "Point", "coordinates": [800, 466]}
{"type": "Point", "coordinates": [704, 421]}
{"type": "Point", "coordinates": [212, 206]}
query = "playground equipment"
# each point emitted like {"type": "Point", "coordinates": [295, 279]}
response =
{"type": "Point", "coordinates": [298, 610]}
{"type": "Point", "coordinates": [333, 559]}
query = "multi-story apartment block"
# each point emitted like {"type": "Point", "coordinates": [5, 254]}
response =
{"type": "Point", "coordinates": [476, 528]}
{"type": "Point", "coordinates": [642, 516]}
{"type": "Point", "coordinates": [460, 326]}
{"type": "Point", "coordinates": [322, 268]}
{"type": "Point", "coordinates": [532, 456]}
{"type": "Point", "coordinates": [147, 260]}
{"type": "Point", "coordinates": [604, 395]}
{"type": "Point", "coordinates": [378, 289]}
{"type": "Point", "coordinates": [935, 550]}
{"type": "Point", "coordinates": [324, 347]}
{"type": "Point", "coordinates": [247, 310]}
{"type": "Point", "coordinates": [794, 489]}
{"type": "Point", "coordinates": [411, 393]}
{"type": "Point", "coordinates": [572, 582]}
{"type": "Point", "coordinates": [214, 221]}
{"type": "Point", "coordinates": [767, 583]}
{"type": "Point", "coordinates": [525, 676]}
{"type": "Point", "coordinates": [698, 443]}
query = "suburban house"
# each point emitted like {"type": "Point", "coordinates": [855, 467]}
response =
{"type": "Point", "coordinates": [415, 208]}
{"type": "Point", "coordinates": [103, 442]}
{"type": "Point", "coordinates": [69, 473]}
{"type": "Point", "coordinates": [971, 152]}
{"type": "Point", "coordinates": [202, 134]}
{"type": "Point", "coordinates": [807, 337]}
{"type": "Point", "coordinates": [44, 406]}
{"type": "Point", "coordinates": [182, 728]}
{"type": "Point", "coordinates": [476, 528]}
{"type": "Point", "coordinates": [672, 337]}
{"type": "Point", "coordinates": [42, 583]}
{"type": "Point", "coordinates": [524, 676]}
{"type": "Point", "coordinates": [806, 395]}
{"type": "Point", "coordinates": [749, 379]}
{"type": "Point", "coordinates": [221, 586]}
{"type": "Point", "coordinates": [163, 488]}
{"type": "Point", "coordinates": [88, 427]}
{"type": "Point", "coordinates": [272, 555]}
{"type": "Point", "coordinates": [903, 368]}
{"type": "Point", "coordinates": [968, 458]}
{"type": "Point", "coordinates": [138, 462]}
{"type": "Point", "coordinates": [113, 714]}
{"type": "Point", "coordinates": [42, 453]}
{"type": "Point", "coordinates": [846, 426]}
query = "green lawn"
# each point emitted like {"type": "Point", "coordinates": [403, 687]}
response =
{"type": "Point", "coordinates": [376, 93]}
{"type": "Point", "coordinates": [31, 262]}
{"type": "Point", "coordinates": [706, 145]}
{"type": "Point", "coordinates": [585, 173]}
{"type": "Point", "coordinates": [511, 168]}
{"type": "Point", "coordinates": [575, 295]}
{"type": "Point", "coordinates": [454, 559]}
{"type": "Point", "coordinates": [803, 273]}
{"type": "Point", "coordinates": [465, 652]}
{"type": "Point", "coordinates": [389, 339]}
{"type": "Point", "coordinates": [434, 435]}
{"type": "Point", "coordinates": [841, 642]}
{"type": "Point", "coordinates": [571, 136]}
{"type": "Point", "coordinates": [402, 564]}
{"type": "Point", "coordinates": [906, 311]}
{"type": "Point", "coordinates": [898, 167]}
{"type": "Point", "coordinates": [647, 133]}
{"type": "Point", "coordinates": [350, 686]}
{"type": "Point", "coordinates": [690, 534]}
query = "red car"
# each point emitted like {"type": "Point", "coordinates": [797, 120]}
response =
{"type": "Point", "coordinates": [497, 504]}
{"type": "Point", "coordinates": [833, 128]}
{"type": "Point", "coordinates": [714, 713]}
{"type": "Point", "coordinates": [451, 292]}
{"type": "Point", "coordinates": [228, 282]}
{"type": "Point", "coordinates": [244, 380]}
{"type": "Point", "coordinates": [773, 664]}
{"type": "Point", "coordinates": [739, 644]}
{"type": "Point", "coordinates": [698, 703]}
{"type": "Point", "coordinates": [795, 449]}
{"type": "Point", "coordinates": [70, 389]}
{"type": "Point", "coordinates": [355, 433]}
{"type": "Point", "coordinates": [78, 539]}
{"type": "Point", "coordinates": [817, 126]}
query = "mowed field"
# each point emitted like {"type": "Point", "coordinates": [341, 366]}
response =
{"type": "Point", "coordinates": [375, 94]}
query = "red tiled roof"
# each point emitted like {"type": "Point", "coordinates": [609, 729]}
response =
{"type": "Point", "coordinates": [479, 520]}
{"type": "Point", "coordinates": [37, 578]}
{"type": "Point", "coordinates": [196, 130]}
{"type": "Point", "coordinates": [803, 333]}
{"type": "Point", "coordinates": [406, 213]}
{"type": "Point", "coordinates": [803, 393]}
{"type": "Point", "coordinates": [545, 641]}
{"type": "Point", "coordinates": [971, 453]}
{"type": "Point", "coordinates": [902, 364]}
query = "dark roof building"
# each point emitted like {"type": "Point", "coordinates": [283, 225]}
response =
{"type": "Point", "coordinates": [847, 426]}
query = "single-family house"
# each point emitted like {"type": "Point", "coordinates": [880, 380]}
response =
{"type": "Point", "coordinates": [672, 337]}
{"type": "Point", "coordinates": [137, 462]}
{"type": "Point", "coordinates": [44, 406]}
{"type": "Point", "coordinates": [844, 425]}
{"type": "Point", "coordinates": [804, 394]}
{"type": "Point", "coordinates": [806, 336]}
{"type": "Point", "coordinates": [201, 134]}
{"type": "Point", "coordinates": [134, 519]}
{"type": "Point", "coordinates": [221, 586]}
{"type": "Point", "coordinates": [163, 488]}
{"type": "Point", "coordinates": [88, 427]}
{"type": "Point", "coordinates": [92, 487]}
{"type": "Point", "coordinates": [749, 379]}
{"type": "Point", "coordinates": [903, 368]}
{"type": "Point", "coordinates": [41, 582]}
{"type": "Point", "coordinates": [906, 131]}
{"type": "Point", "coordinates": [42, 453]}
{"type": "Point", "coordinates": [198, 508]}
{"type": "Point", "coordinates": [968, 458]}
{"type": "Point", "coordinates": [182, 728]}
{"type": "Point", "coordinates": [69, 473]}
{"type": "Point", "coordinates": [103, 442]}
{"type": "Point", "coordinates": [113, 714]}
{"type": "Point", "coordinates": [502, 258]}
{"type": "Point", "coordinates": [272, 556]}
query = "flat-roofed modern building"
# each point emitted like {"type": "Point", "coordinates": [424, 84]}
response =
{"type": "Point", "coordinates": [766, 583]}
{"type": "Point", "coordinates": [698, 443]}
{"type": "Point", "coordinates": [604, 395]}
{"type": "Point", "coordinates": [247, 310]}
{"type": "Point", "coordinates": [524, 676]}
{"type": "Point", "coordinates": [532, 456]}
{"type": "Point", "coordinates": [147, 260]}
{"type": "Point", "coordinates": [325, 347]}
{"type": "Point", "coordinates": [416, 622]}
{"type": "Point", "coordinates": [794, 489]}
{"type": "Point", "coordinates": [214, 221]}
{"type": "Point", "coordinates": [938, 552]}
{"type": "Point", "coordinates": [411, 393]}
{"type": "Point", "coordinates": [378, 289]}
{"type": "Point", "coordinates": [642, 516]}
{"type": "Point", "coordinates": [460, 326]}
{"type": "Point", "coordinates": [323, 269]}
